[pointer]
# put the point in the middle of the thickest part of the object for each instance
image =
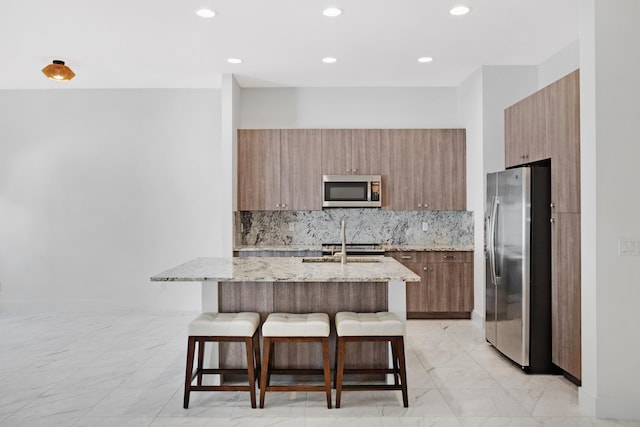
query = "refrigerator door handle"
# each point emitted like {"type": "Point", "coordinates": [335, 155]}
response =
{"type": "Point", "coordinates": [492, 240]}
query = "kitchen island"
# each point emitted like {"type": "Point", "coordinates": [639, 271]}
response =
{"type": "Point", "coordinates": [297, 285]}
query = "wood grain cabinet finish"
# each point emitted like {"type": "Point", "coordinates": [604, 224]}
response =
{"type": "Point", "coordinates": [258, 169]}
{"type": "Point", "coordinates": [300, 174]}
{"type": "Point", "coordinates": [563, 133]}
{"type": "Point", "coordinates": [279, 169]}
{"type": "Point", "coordinates": [445, 289]}
{"type": "Point", "coordinates": [423, 169]}
{"type": "Point", "coordinates": [548, 124]}
{"type": "Point", "coordinates": [566, 293]}
{"type": "Point", "coordinates": [526, 139]}
{"type": "Point", "coordinates": [350, 151]}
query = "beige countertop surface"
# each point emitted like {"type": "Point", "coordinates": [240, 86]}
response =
{"type": "Point", "coordinates": [386, 247]}
{"type": "Point", "coordinates": [287, 269]}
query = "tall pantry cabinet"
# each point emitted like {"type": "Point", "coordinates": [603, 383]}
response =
{"type": "Point", "coordinates": [546, 125]}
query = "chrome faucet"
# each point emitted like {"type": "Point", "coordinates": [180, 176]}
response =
{"type": "Point", "coordinates": [343, 237]}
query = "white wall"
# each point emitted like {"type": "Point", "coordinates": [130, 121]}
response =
{"type": "Point", "coordinates": [471, 114]}
{"type": "Point", "coordinates": [560, 64]}
{"type": "Point", "coordinates": [349, 108]}
{"type": "Point", "coordinates": [610, 150]}
{"type": "Point", "coordinates": [100, 189]}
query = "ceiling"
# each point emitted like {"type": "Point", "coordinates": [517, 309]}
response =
{"type": "Point", "coordinates": [163, 44]}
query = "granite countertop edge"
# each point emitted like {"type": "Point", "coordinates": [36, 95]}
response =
{"type": "Point", "coordinates": [386, 247]}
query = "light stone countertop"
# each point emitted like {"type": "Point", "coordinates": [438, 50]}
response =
{"type": "Point", "coordinates": [385, 247]}
{"type": "Point", "coordinates": [286, 269]}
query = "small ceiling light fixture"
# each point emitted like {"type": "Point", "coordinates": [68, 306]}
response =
{"type": "Point", "coordinates": [58, 71]}
{"type": "Point", "coordinates": [329, 60]}
{"type": "Point", "coordinates": [206, 13]}
{"type": "Point", "coordinates": [425, 59]}
{"type": "Point", "coordinates": [234, 60]}
{"type": "Point", "coordinates": [459, 10]}
{"type": "Point", "coordinates": [332, 12]}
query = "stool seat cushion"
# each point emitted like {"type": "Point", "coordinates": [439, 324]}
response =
{"type": "Point", "coordinates": [368, 324]}
{"type": "Point", "coordinates": [225, 324]}
{"type": "Point", "coordinates": [296, 325]}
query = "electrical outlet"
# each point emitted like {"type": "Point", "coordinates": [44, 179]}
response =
{"type": "Point", "coordinates": [292, 226]}
{"type": "Point", "coordinates": [628, 247]}
{"type": "Point", "coordinates": [425, 226]}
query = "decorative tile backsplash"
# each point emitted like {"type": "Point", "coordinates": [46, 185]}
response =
{"type": "Point", "coordinates": [443, 228]}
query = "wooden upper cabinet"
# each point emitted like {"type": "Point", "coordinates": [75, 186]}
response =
{"type": "Point", "coordinates": [350, 151]}
{"type": "Point", "coordinates": [526, 138]}
{"type": "Point", "coordinates": [423, 169]}
{"type": "Point", "coordinates": [444, 171]}
{"type": "Point", "coordinates": [365, 151]}
{"type": "Point", "coordinates": [336, 151]}
{"type": "Point", "coordinates": [401, 168]}
{"type": "Point", "coordinates": [279, 169]}
{"type": "Point", "coordinates": [258, 169]}
{"type": "Point", "coordinates": [563, 133]}
{"type": "Point", "coordinates": [300, 173]}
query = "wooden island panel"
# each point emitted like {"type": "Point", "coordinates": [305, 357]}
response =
{"type": "Point", "coordinates": [305, 297]}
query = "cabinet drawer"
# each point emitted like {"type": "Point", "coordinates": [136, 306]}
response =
{"type": "Point", "coordinates": [447, 257]}
{"type": "Point", "coordinates": [405, 257]}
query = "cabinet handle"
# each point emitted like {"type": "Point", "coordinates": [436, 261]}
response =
{"type": "Point", "coordinates": [419, 205]}
{"type": "Point", "coordinates": [277, 205]}
{"type": "Point", "coordinates": [552, 220]}
{"type": "Point", "coordinates": [426, 205]}
{"type": "Point", "coordinates": [449, 257]}
{"type": "Point", "coordinates": [552, 205]}
{"type": "Point", "coordinates": [425, 268]}
{"type": "Point", "coordinates": [348, 170]}
{"type": "Point", "coordinates": [355, 170]}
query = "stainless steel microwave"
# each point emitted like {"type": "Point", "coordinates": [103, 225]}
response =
{"type": "Point", "coordinates": [351, 191]}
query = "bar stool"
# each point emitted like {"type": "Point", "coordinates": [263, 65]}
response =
{"type": "Point", "coordinates": [223, 327]}
{"type": "Point", "coordinates": [360, 327]}
{"type": "Point", "coordinates": [295, 328]}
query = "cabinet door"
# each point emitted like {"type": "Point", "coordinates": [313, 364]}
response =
{"type": "Point", "coordinates": [450, 287]}
{"type": "Point", "coordinates": [526, 130]}
{"type": "Point", "coordinates": [258, 169]}
{"type": "Point", "coordinates": [564, 138]}
{"type": "Point", "coordinates": [444, 170]}
{"type": "Point", "coordinates": [402, 151]}
{"type": "Point", "coordinates": [565, 293]}
{"type": "Point", "coordinates": [336, 151]}
{"type": "Point", "coordinates": [300, 172]}
{"type": "Point", "coordinates": [365, 151]}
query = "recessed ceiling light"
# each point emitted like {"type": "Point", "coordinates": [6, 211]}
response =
{"type": "Point", "coordinates": [329, 60]}
{"type": "Point", "coordinates": [206, 13]}
{"type": "Point", "coordinates": [459, 10]}
{"type": "Point", "coordinates": [234, 60]}
{"type": "Point", "coordinates": [425, 59]}
{"type": "Point", "coordinates": [332, 11]}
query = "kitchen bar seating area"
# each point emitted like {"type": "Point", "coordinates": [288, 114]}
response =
{"type": "Point", "coordinates": [66, 378]}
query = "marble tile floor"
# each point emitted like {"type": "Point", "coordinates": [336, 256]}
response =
{"type": "Point", "coordinates": [99, 369]}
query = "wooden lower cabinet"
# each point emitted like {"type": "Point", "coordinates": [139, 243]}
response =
{"type": "Point", "coordinates": [445, 289]}
{"type": "Point", "coordinates": [565, 294]}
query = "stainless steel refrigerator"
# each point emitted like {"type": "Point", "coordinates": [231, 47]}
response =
{"type": "Point", "coordinates": [518, 260]}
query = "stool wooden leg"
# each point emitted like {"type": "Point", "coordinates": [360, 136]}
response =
{"type": "Point", "coordinates": [340, 344]}
{"type": "Point", "coordinates": [403, 370]}
{"type": "Point", "coordinates": [394, 356]}
{"type": "Point", "coordinates": [264, 378]}
{"type": "Point", "coordinates": [327, 370]}
{"type": "Point", "coordinates": [248, 343]}
{"type": "Point", "coordinates": [200, 360]}
{"type": "Point", "coordinates": [256, 350]}
{"type": "Point", "coordinates": [189, 371]}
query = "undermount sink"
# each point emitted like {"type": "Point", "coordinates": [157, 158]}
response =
{"type": "Point", "coordinates": [337, 259]}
